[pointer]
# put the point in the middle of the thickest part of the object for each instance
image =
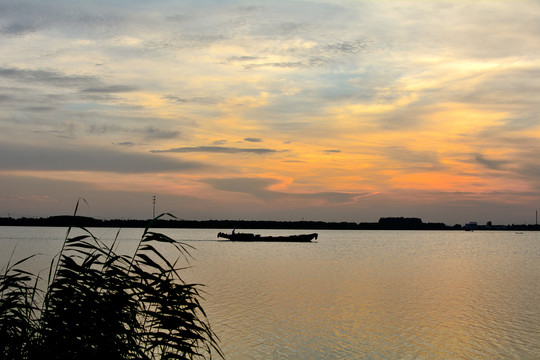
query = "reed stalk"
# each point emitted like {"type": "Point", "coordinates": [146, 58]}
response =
{"type": "Point", "coordinates": [99, 304]}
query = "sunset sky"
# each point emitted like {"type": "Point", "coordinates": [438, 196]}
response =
{"type": "Point", "coordinates": [271, 110]}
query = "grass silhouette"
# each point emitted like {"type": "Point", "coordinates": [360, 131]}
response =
{"type": "Point", "coordinates": [102, 305]}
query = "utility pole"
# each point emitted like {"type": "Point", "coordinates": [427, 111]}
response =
{"type": "Point", "coordinates": [154, 206]}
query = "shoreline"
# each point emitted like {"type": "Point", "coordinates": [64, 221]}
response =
{"type": "Point", "coordinates": [383, 224]}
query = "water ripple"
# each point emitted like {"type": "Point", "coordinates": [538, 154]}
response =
{"type": "Point", "coordinates": [370, 295]}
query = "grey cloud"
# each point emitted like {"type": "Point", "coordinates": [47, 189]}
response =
{"type": "Point", "coordinates": [346, 47]}
{"type": "Point", "coordinates": [248, 9]}
{"type": "Point", "coordinates": [24, 17]}
{"type": "Point", "coordinates": [243, 58]}
{"type": "Point", "coordinates": [253, 186]}
{"type": "Point", "coordinates": [334, 197]}
{"type": "Point", "coordinates": [257, 140]}
{"type": "Point", "coordinates": [181, 18]}
{"type": "Point", "coordinates": [523, 121]}
{"type": "Point", "coordinates": [5, 98]}
{"type": "Point", "coordinates": [491, 164]}
{"type": "Point", "coordinates": [291, 27]}
{"type": "Point", "coordinates": [47, 77]}
{"type": "Point", "coordinates": [284, 29]}
{"type": "Point", "coordinates": [39, 108]}
{"type": "Point", "coordinates": [176, 99]}
{"type": "Point", "coordinates": [530, 170]}
{"type": "Point", "coordinates": [105, 128]}
{"type": "Point", "coordinates": [148, 133]}
{"type": "Point", "coordinates": [515, 86]}
{"type": "Point", "coordinates": [18, 29]}
{"type": "Point", "coordinates": [288, 65]}
{"type": "Point", "coordinates": [197, 100]}
{"type": "Point", "coordinates": [184, 41]}
{"type": "Point", "coordinates": [126, 143]}
{"type": "Point", "coordinates": [87, 84]}
{"type": "Point", "coordinates": [410, 156]}
{"type": "Point", "coordinates": [258, 187]}
{"type": "Point", "coordinates": [316, 61]}
{"type": "Point", "coordinates": [318, 57]}
{"type": "Point", "coordinates": [24, 157]}
{"type": "Point", "coordinates": [153, 133]}
{"type": "Point", "coordinates": [217, 149]}
{"type": "Point", "coordinates": [24, 97]}
{"type": "Point", "coordinates": [410, 117]}
{"type": "Point", "coordinates": [307, 63]}
{"type": "Point", "coordinates": [110, 89]}
{"type": "Point", "coordinates": [331, 151]}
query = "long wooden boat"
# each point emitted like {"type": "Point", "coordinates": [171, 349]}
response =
{"type": "Point", "coordinates": [257, 237]}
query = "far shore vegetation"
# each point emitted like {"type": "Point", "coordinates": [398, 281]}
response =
{"type": "Point", "coordinates": [101, 305]}
{"type": "Point", "coordinates": [385, 223]}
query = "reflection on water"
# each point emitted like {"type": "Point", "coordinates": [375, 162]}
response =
{"type": "Point", "coordinates": [377, 295]}
{"type": "Point", "coordinates": [367, 295]}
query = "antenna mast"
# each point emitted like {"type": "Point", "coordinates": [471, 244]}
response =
{"type": "Point", "coordinates": [154, 206]}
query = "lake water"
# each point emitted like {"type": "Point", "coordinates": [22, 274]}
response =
{"type": "Point", "coordinates": [353, 294]}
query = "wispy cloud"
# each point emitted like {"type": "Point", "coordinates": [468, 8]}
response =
{"type": "Point", "coordinates": [153, 133]}
{"type": "Point", "coordinates": [126, 143]}
{"type": "Point", "coordinates": [89, 84]}
{"type": "Point", "coordinates": [346, 47]}
{"type": "Point", "coordinates": [243, 58]}
{"type": "Point", "coordinates": [110, 89]}
{"type": "Point", "coordinates": [218, 149]}
{"type": "Point", "coordinates": [18, 29]}
{"type": "Point", "coordinates": [196, 100]}
{"type": "Point", "coordinates": [255, 140]}
{"type": "Point", "coordinates": [261, 188]}
{"type": "Point", "coordinates": [48, 77]}
{"type": "Point", "coordinates": [490, 163]}
{"type": "Point", "coordinates": [147, 132]}
{"type": "Point", "coordinates": [405, 157]}
{"type": "Point", "coordinates": [55, 158]}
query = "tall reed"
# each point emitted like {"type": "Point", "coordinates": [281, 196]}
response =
{"type": "Point", "coordinates": [99, 304]}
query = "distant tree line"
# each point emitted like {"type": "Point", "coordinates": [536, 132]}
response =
{"type": "Point", "coordinates": [385, 223]}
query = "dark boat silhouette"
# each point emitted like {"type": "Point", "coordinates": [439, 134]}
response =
{"type": "Point", "coordinates": [257, 237]}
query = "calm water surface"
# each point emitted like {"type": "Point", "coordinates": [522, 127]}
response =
{"type": "Point", "coordinates": [353, 294]}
